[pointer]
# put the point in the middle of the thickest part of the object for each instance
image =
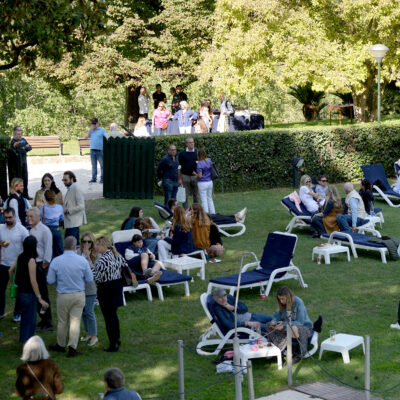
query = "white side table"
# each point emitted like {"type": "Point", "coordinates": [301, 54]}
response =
{"type": "Point", "coordinates": [185, 264]}
{"type": "Point", "coordinates": [329, 249]}
{"type": "Point", "coordinates": [245, 353]}
{"type": "Point", "coordinates": [342, 344]}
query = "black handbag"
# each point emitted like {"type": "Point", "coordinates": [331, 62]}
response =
{"type": "Point", "coordinates": [126, 276]}
{"type": "Point", "coordinates": [214, 172]}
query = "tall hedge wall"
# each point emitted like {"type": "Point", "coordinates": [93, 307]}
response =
{"type": "Point", "coordinates": [263, 159]}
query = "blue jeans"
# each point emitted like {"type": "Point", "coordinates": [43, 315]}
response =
{"type": "Point", "coordinates": [96, 155]}
{"type": "Point", "coordinates": [262, 319]}
{"type": "Point", "coordinates": [170, 188]}
{"type": "Point", "coordinates": [58, 246]}
{"type": "Point", "coordinates": [344, 220]}
{"type": "Point", "coordinates": [89, 317]}
{"type": "Point", "coordinates": [73, 232]}
{"type": "Point", "coordinates": [160, 132]}
{"type": "Point", "coordinates": [28, 303]}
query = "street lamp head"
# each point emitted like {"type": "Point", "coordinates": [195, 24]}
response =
{"type": "Point", "coordinates": [378, 51]}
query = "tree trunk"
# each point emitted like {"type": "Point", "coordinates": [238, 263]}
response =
{"type": "Point", "coordinates": [131, 105]}
{"type": "Point", "coordinates": [360, 106]}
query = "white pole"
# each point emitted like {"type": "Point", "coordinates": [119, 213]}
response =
{"type": "Point", "coordinates": [289, 352]}
{"type": "Point", "coordinates": [367, 377]}
{"type": "Point", "coordinates": [250, 380]}
{"type": "Point", "coordinates": [379, 91]}
{"type": "Point", "coordinates": [181, 371]}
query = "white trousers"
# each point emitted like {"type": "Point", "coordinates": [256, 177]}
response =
{"type": "Point", "coordinates": [205, 191]}
{"type": "Point", "coordinates": [163, 249]}
{"type": "Point", "coordinates": [185, 129]}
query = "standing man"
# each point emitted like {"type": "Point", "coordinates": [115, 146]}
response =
{"type": "Point", "coordinates": [181, 94]}
{"type": "Point", "coordinates": [17, 163]}
{"type": "Point", "coordinates": [158, 96]}
{"type": "Point", "coordinates": [143, 101]}
{"type": "Point", "coordinates": [187, 175]}
{"type": "Point", "coordinates": [74, 206]}
{"type": "Point", "coordinates": [322, 186]}
{"type": "Point", "coordinates": [168, 171]}
{"type": "Point", "coordinates": [44, 250]}
{"type": "Point", "coordinates": [69, 272]}
{"type": "Point", "coordinates": [96, 135]}
{"type": "Point", "coordinates": [175, 107]}
{"type": "Point", "coordinates": [17, 201]}
{"type": "Point", "coordinates": [12, 235]}
{"type": "Point", "coordinates": [226, 112]}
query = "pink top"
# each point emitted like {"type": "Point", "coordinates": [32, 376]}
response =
{"type": "Point", "coordinates": [160, 117]}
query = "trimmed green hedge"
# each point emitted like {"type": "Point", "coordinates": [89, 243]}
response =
{"type": "Point", "coordinates": [263, 159]}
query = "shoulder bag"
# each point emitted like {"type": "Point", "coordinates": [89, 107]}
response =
{"type": "Point", "coordinates": [214, 172]}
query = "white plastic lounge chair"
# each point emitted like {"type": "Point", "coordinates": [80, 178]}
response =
{"type": "Point", "coordinates": [299, 219]}
{"type": "Point", "coordinates": [224, 228]}
{"type": "Point", "coordinates": [275, 265]}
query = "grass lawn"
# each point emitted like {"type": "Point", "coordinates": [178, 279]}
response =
{"type": "Point", "coordinates": [359, 298]}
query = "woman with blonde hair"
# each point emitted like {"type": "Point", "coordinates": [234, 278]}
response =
{"type": "Point", "coordinates": [311, 200]}
{"type": "Point", "coordinates": [140, 128]}
{"type": "Point", "coordinates": [17, 201]}
{"type": "Point", "coordinates": [108, 278]}
{"type": "Point", "coordinates": [181, 237]}
{"type": "Point", "coordinates": [325, 221]}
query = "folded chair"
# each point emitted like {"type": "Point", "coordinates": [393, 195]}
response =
{"type": "Point", "coordinates": [164, 212]}
{"type": "Point", "coordinates": [376, 172]}
{"type": "Point", "coordinates": [299, 219]}
{"type": "Point", "coordinates": [121, 240]}
{"type": "Point", "coordinates": [275, 266]}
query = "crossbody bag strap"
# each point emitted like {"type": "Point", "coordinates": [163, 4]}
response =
{"type": "Point", "coordinates": [40, 383]}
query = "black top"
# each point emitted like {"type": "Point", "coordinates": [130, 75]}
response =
{"type": "Point", "coordinates": [157, 97]}
{"type": "Point", "coordinates": [22, 278]}
{"type": "Point", "coordinates": [20, 150]}
{"type": "Point", "coordinates": [367, 197]}
{"type": "Point", "coordinates": [215, 237]}
{"type": "Point", "coordinates": [21, 207]}
{"type": "Point", "coordinates": [168, 168]}
{"type": "Point", "coordinates": [187, 161]}
{"type": "Point", "coordinates": [175, 100]}
{"type": "Point", "coordinates": [182, 96]}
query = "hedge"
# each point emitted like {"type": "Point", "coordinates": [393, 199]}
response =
{"type": "Point", "coordinates": [263, 159]}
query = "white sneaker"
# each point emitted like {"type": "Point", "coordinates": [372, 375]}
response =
{"type": "Point", "coordinates": [395, 326]}
{"type": "Point", "coordinates": [242, 214]}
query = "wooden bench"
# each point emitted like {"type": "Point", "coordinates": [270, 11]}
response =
{"type": "Point", "coordinates": [83, 144]}
{"type": "Point", "coordinates": [45, 142]}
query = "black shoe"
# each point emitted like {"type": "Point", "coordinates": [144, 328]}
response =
{"type": "Point", "coordinates": [314, 235]}
{"type": "Point", "coordinates": [73, 353]}
{"type": "Point", "coordinates": [317, 326]}
{"type": "Point", "coordinates": [92, 181]}
{"type": "Point", "coordinates": [112, 349]}
{"type": "Point", "coordinates": [45, 329]}
{"type": "Point", "coordinates": [57, 347]}
{"type": "Point", "coordinates": [296, 359]}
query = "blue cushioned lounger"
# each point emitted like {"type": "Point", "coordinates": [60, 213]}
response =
{"type": "Point", "coordinates": [299, 219]}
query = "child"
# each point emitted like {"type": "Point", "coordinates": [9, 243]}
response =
{"type": "Point", "coordinates": [142, 261]}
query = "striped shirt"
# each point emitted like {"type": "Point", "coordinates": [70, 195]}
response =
{"type": "Point", "coordinates": [108, 268]}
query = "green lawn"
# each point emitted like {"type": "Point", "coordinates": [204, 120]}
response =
{"type": "Point", "coordinates": [359, 298]}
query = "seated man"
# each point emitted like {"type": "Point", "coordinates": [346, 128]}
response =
{"type": "Point", "coordinates": [224, 309]}
{"type": "Point", "coordinates": [114, 382]}
{"type": "Point", "coordinates": [322, 186]}
{"type": "Point", "coordinates": [356, 211]}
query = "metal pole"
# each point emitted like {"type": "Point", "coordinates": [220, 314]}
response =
{"type": "Point", "coordinates": [250, 380]}
{"type": "Point", "coordinates": [289, 354]}
{"type": "Point", "coordinates": [238, 375]}
{"type": "Point", "coordinates": [367, 369]}
{"type": "Point", "coordinates": [379, 91]}
{"type": "Point", "coordinates": [181, 371]}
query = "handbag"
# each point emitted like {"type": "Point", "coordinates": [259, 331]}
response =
{"type": "Point", "coordinates": [181, 194]}
{"type": "Point", "coordinates": [214, 172]}
{"type": "Point", "coordinates": [126, 276]}
{"type": "Point", "coordinates": [164, 126]}
{"type": "Point", "coordinates": [14, 286]}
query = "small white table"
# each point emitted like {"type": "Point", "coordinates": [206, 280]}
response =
{"type": "Point", "coordinates": [329, 249]}
{"type": "Point", "coordinates": [245, 353]}
{"type": "Point", "coordinates": [342, 344]}
{"type": "Point", "coordinates": [185, 264]}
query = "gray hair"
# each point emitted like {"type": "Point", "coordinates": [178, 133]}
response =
{"type": "Point", "coordinates": [348, 187]}
{"type": "Point", "coordinates": [184, 103]}
{"type": "Point", "coordinates": [16, 128]}
{"type": "Point", "coordinates": [114, 378]}
{"type": "Point", "coordinates": [219, 292]}
{"type": "Point", "coordinates": [34, 210]}
{"type": "Point", "coordinates": [114, 126]}
{"type": "Point", "coordinates": [34, 350]}
{"type": "Point", "coordinates": [69, 243]}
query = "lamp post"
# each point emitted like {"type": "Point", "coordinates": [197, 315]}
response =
{"type": "Point", "coordinates": [378, 51]}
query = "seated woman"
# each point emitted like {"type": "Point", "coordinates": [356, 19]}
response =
{"type": "Point", "coordinates": [181, 238]}
{"type": "Point", "coordinates": [142, 261]}
{"type": "Point", "coordinates": [325, 221]}
{"type": "Point", "coordinates": [300, 323]}
{"type": "Point", "coordinates": [311, 200]}
{"type": "Point", "coordinates": [367, 196]}
{"type": "Point", "coordinates": [149, 233]}
{"type": "Point", "coordinates": [397, 172]}
{"type": "Point", "coordinates": [47, 184]}
{"type": "Point", "coordinates": [136, 212]}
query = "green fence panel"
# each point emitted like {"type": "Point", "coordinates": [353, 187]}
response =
{"type": "Point", "coordinates": [128, 168]}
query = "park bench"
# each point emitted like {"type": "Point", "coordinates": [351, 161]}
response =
{"type": "Point", "coordinates": [45, 142]}
{"type": "Point", "coordinates": [83, 144]}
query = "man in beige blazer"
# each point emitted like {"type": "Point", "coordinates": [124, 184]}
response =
{"type": "Point", "coordinates": [74, 206]}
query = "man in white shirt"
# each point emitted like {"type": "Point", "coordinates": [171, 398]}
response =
{"type": "Point", "coordinates": [12, 235]}
{"type": "Point", "coordinates": [322, 186]}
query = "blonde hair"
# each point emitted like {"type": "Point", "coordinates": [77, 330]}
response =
{"type": "Point", "coordinates": [141, 122]}
{"type": "Point", "coordinates": [181, 220]}
{"type": "Point", "coordinates": [332, 195]}
{"type": "Point", "coordinates": [15, 182]}
{"type": "Point", "coordinates": [93, 252]}
{"type": "Point", "coordinates": [304, 179]}
{"type": "Point", "coordinates": [198, 214]}
{"type": "Point", "coordinates": [34, 350]}
{"type": "Point", "coordinates": [106, 242]}
{"type": "Point", "coordinates": [284, 291]}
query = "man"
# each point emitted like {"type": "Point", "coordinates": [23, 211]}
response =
{"type": "Point", "coordinates": [114, 381]}
{"type": "Point", "coordinates": [158, 96]}
{"type": "Point", "coordinates": [17, 201]}
{"type": "Point", "coordinates": [168, 171]}
{"type": "Point", "coordinates": [44, 250]}
{"type": "Point", "coordinates": [17, 163]}
{"type": "Point", "coordinates": [69, 272]}
{"type": "Point", "coordinates": [187, 175]}
{"type": "Point", "coordinates": [181, 94]}
{"type": "Point", "coordinates": [356, 211]}
{"type": "Point", "coordinates": [143, 102]}
{"type": "Point", "coordinates": [12, 235]}
{"type": "Point", "coordinates": [224, 309]}
{"type": "Point", "coordinates": [226, 111]}
{"type": "Point", "coordinates": [114, 132]}
{"type": "Point", "coordinates": [74, 206]}
{"type": "Point", "coordinates": [96, 134]}
{"type": "Point", "coordinates": [175, 107]}
{"type": "Point", "coordinates": [322, 186]}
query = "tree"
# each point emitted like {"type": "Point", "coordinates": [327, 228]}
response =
{"type": "Point", "coordinates": [37, 28]}
{"type": "Point", "coordinates": [294, 42]}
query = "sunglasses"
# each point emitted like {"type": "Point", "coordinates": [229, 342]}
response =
{"type": "Point", "coordinates": [87, 241]}
{"type": "Point", "coordinates": [324, 180]}
{"type": "Point", "coordinates": [308, 181]}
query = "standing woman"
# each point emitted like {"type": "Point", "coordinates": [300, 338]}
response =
{"type": "Point", "coordinates": [47, 184]}
{"type": "Point", "coordinates": [160, 119]}
{"type": "Point", "coordinates": [107, 275]}
{"type": "Point", "coordinates": [185, 118]}
{"type": "Point", "coordinates": [204, 182]}
{"type": "Point", "coordinates": [88, 250]}
{"type": "Point", "coordinates": [28, 289]}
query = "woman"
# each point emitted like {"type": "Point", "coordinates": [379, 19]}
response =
{"type": "Point", "coordinates": [140, 128]}
{"type": "Point", "coordinates": [149, 232]}
{"type": "Point", "coordinates": [185, 118]}
{"type": "Point", "coordinates": [47, 184]}
{"type": "Point", "coordinates": [181, 238]}
{"type": "Point", "coordinates": [367, 195]}
{"type": "Point", "coordinates": [204, 182]}
{"type": "Point", "coordinates": [206, 114]}
{"type": "Point", "coordinates": [52, 215]}
{"type": "Point", "coordinates": [38, 378]}
{"type": "Point", "coordinates": [300, 323]}
{"type": "Point", "coordinates": [28, 289]}
{"type": "Point", "coordinates": [135, 212]}
{"type": "Point", "coordinates": [88, 250]}
{"type": "Point", "coordinates": [311, 200]}
{"type": "Point", "coordinates": [325, 221]}
{"type": "Point", "coordinates": [160, 119]}
{"type": "Point", "coordinates": [108, 278]}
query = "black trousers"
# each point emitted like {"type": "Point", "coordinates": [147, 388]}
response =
{"type": "Point", "coordinates": [3, 287]}
{"type": "Point", "coordinates": [25, 179]}
{"type": "Point", "coordinates": [41, 274]}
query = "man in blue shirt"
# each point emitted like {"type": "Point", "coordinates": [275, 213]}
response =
{"type": "Point", "coordinates": [70, 273]}
{"type": "Point", "coordinates": [168, 171]}
{"type": "Point", "coordinates": [96, 134]}
{"type": "Point", "coordinates": [114, 382]}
